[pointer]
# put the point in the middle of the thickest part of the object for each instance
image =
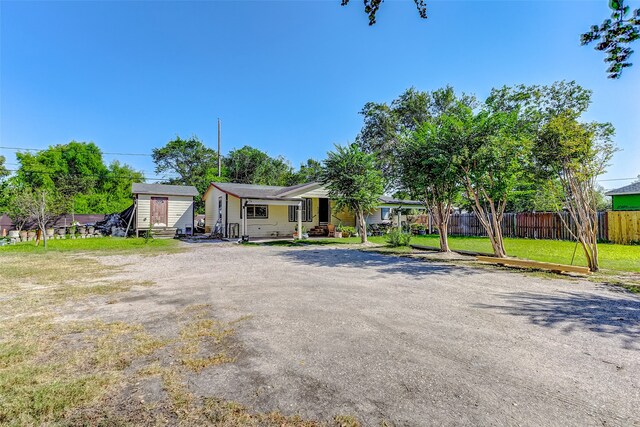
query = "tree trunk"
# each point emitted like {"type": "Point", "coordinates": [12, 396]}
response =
{"type": "Point", "coordinates": [443, 230]}
{"type": "Point", "coordinates": [363, 227]}
{"type": "Point", "coordinates": [442, 215]}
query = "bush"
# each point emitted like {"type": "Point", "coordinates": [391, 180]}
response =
{"type": "Point", "coordinates": [397, 238]}
{"type": "Point", "coordinates": [348, 231]}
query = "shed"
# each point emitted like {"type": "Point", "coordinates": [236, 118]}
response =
{"type": "Point", "coordinates": [626, 198]}
{"type": "Point", "coordinates": [167, 209]}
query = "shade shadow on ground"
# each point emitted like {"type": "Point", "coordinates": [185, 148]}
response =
{"type": "Point", "coordinates": [573, 311]}
{"type": "Point", "coordinates": [339, 257]}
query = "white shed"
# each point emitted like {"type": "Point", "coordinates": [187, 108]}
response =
{"type": "Point", "coordinates": [165, 208]}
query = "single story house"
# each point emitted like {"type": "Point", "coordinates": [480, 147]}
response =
{"type": "Point", "coordinates": [272, 211]}
{"type": "Point", "coordinates": [626, 198]}
{"type": "Point", "coordinates": [164, 208]}
{"type": "Point", "coordinates": [392, 211]}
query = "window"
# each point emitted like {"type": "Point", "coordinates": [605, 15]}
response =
{"type": "Point", "coordinates": [385, 214]}
{"type": "Point", "coordinates": [257, 211]}
{"type": "Point", "coordinates": [307, 211]}
{"type": "Point", "coordinates": [220, 209]}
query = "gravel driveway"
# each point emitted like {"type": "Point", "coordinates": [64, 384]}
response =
{"type": "Point", "coordinates": [383, 338]}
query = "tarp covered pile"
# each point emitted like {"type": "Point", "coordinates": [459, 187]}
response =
{"type": "Point", "coordinates": [116, 224]}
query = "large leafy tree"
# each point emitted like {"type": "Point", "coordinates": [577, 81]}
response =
{"type": "Point", "coordinates": [311, 171]}
{"type": "Point", "coordinates": [354, 181]}
{"type": "Point", "coordinates": [385, 125]}
{"type": "Point", "coordinates": [249, 165]}
{"type": "Point", "coordinates": [576, 154]}
{"type": "Point", "coordinates": [429, 170]}
{"type": "Point", "coordinates": [614, 36]}
{"type": "Point", "coordinates": [76, 173]}
{"type": "Point", "coordinates": [191, 162]}
{"type": "Point", "coordinates": [494, 152]}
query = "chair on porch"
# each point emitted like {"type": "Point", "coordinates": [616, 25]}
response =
{"type": "Point", "coordinates": [331, 230]}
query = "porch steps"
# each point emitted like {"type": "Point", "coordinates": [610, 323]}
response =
{"type": "Point", "coordinates": [318, 231]}
{"type": "Point", "coordinates": [163, 233]}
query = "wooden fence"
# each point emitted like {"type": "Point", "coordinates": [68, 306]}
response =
{"type": "Point", "coordinates": [624, 226]}
{"type": "Point", "coordinates": [530, 225]}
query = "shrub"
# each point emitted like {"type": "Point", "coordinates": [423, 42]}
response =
{"type": "Point", "coordinates": [397, 238]}
{"type": "Point", "coordinates": [348, 231]}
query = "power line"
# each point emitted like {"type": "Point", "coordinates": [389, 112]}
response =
{"type": "Point", "coordinates": [146, 178]}
{"type": "Point", "coordinates": [617, 179]}
{"type": "Point", "coordinates": [102, 152]}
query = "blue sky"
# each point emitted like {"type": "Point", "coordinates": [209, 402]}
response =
{"type": "Point", "coordinates": [288, 77]}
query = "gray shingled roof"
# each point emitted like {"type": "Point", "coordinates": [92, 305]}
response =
{"type": "Point", "coordinates": [627, 189]}
{"type": "Point", "coordinates": [164, 190]}
{"type": "Point", "coordinates": [249, 191]}
{"type": "Point", "coordinates": [391, 200]}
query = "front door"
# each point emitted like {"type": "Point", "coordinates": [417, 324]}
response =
{"type": "Point", "coordinates": [323, 211]}
{"type": "Point", "coordinates": [159, 211]}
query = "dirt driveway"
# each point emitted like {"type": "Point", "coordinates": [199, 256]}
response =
{"type": "Point", "coordinates": [407, 342]}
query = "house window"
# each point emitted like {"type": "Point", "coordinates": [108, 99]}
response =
{"type": "Point", "coordinates": [307, 211]}
{"type": "Point", "coordinates": [257, 211]}
{"type": "Point", "coordinates": [220, 209]}
{"type": "Point", "coordinates": [385, 214]}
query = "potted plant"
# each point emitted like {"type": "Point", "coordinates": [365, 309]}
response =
{"type": "Point", "coordinates": [348, 231]}
{"type": "Point", "coordinates": [302, 235]}
{"type": "Point", "coordinates": [338, 232]}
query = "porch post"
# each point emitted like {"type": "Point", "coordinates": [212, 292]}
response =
{"type": "Point", "coordinates": [244, 220]}
{"type": "Point", "coordinates": [299, 220]}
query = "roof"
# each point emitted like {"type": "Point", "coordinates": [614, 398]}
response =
{"type": "Point", "coordinates": [627, 189]}
{"type": "Point", "coordinates": [272, 192]}
{"type": "Point", "coordinates": [391, 200]}
{"type": "Point", "coordinates": [165, 190]}
{"type": "Point", "coordinates": [249, 191]}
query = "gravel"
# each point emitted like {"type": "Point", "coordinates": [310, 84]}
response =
{"type": "Point", "coordinates": [411, 342]}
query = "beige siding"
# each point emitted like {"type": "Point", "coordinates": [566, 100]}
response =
{"type": "Point", "coordinates": [179, 211]}
{"type": "Point", "coordinates": [345, 217]}
{"type": "Point", "coordinates": [376, 218]}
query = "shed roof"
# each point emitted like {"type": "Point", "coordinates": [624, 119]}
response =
{"type": "Point", "coordinates": [627, 189]}
{"type": "Point", "coordinates": [164, 189]}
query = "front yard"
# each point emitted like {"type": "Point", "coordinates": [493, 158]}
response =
{"type": "Point", "coordinates": [612, 257]}
{"type": "Point", "coordinates": [123, 332]}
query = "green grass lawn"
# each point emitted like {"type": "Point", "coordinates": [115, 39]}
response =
{"type": "Point", "coordinates": [103, 244]}
{"type": "Point", "coordinates": [612, 257]}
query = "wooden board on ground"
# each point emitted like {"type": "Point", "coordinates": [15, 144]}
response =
{"type": "Point", "coordinates": [535, 264]}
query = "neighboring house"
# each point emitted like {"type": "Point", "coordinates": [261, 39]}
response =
{"type": "Point", "coordinates": [166, 208]}
{"type": "Point", "coordinates": [626, 198]}
{"type": "Point", "coordinates": [270, 211]}
{"type": "Point", "coordinates": [390, 211]}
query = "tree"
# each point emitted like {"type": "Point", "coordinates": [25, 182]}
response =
{"type": "Point", "coordinates": [77, 172]}
{"type": "Point", "coordinates": [614, 35]}
{"type": "Point", "coordinates": [576, 154]}
{"type": "Point", "coordinates": [386, 125]}
{"type": "Point", "coordinates": [3, 170]}
{"type": "Point", "coordinates": [494, 152]}
{"type": "Point", "coordinates": [371, 8]}
{"type": "Point", "coordinates": [193, 162]}
{"type": "Point", "coordinates": [248, 165]}
{"type": "Point", "coordinates": [430, 171]}
{"type": "Point", "coordinates": [17, 206]}
{"type": "Point", "coordinates": [354, 181]}
{"type": "Point", "coordinates": [44, 207]}
{"type": "Point", "coordinates": [308, 172]}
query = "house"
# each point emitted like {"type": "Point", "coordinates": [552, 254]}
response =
{"type": "Point", "coordinates": [272, 211]}
{"type": "Point", "coordinates": [392, 211]}
{"type": "Point", "coordinates": [167, 209]}
{"type": "Point", "coordinates": [626, 198]}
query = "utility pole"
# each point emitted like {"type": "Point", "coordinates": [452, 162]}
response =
{"type": "Point", "coordinates": [219, 158]}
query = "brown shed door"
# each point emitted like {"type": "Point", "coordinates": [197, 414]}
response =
{"type": "Point", "coordinates": [159, 211]}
